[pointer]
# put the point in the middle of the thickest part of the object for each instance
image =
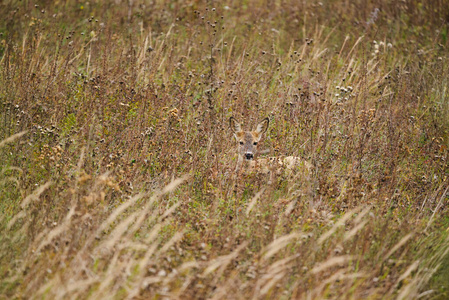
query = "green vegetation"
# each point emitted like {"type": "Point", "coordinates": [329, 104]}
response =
{"type": "Point", "coordinates": [117, 162]}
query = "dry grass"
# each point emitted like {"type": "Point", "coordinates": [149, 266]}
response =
{"type": "Point", "coordinates": [117, 164]}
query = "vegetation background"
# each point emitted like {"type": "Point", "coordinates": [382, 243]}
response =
{"type": "Point", "coordinates": [117, 163]}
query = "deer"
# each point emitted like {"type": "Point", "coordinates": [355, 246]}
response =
{"type": "Point", "coordinates": [248, 150]}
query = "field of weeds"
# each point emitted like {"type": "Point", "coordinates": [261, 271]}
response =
{"type": "Point", "coordinates": [117, 163]}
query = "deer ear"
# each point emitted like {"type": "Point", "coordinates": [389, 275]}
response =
{"type": "Point", "coordinates": [262, 126]}
{"type": "Point", "coordinates": [235, 126]}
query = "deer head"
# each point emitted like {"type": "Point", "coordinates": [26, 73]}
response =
{"type": "Point", "coordinates": [248, 140]}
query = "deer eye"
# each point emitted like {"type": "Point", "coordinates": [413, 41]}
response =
{"type": "Point", "coordinates": [255, 143]}
{"type": "Point", "coordinates": [241, 142]}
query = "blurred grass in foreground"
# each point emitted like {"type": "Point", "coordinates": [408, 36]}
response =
{"type": "Point", "coordinates": [117, 163]}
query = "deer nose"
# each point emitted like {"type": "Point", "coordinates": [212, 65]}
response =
{"type": "Point", "coordinates": [249, 156]}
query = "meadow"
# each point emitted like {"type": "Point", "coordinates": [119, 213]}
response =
{"type": "Point", "coordinates": [117, 161]}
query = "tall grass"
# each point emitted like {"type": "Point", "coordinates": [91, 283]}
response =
{"type": "Point", "coordinates": [117, 164]}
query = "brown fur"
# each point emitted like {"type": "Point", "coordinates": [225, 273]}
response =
{"type": "Point", "coordinates": [248, 150]}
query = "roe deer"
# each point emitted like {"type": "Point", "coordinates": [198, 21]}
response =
{"type": "Point", "coordinates": [247, 150]}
